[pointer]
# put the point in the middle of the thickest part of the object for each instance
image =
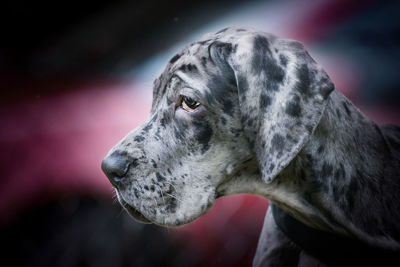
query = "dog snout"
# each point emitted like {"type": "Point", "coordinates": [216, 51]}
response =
{"type": "Point", "coordinates": [115, 167]}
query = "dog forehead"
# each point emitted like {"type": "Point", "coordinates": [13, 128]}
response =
{"type": "Point", "coordinates": [194, 59]}
{"type": "Point", "coordinates": [200, 47]}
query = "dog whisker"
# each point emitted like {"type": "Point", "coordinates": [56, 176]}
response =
{"type": "Point", "coordinates": [161, 192]}
{"type": "Point", "coordinates": [173, 186]}
{"type": "Point", "coordinates": [174, 197]}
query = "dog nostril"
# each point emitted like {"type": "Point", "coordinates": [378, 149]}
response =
{"type": "Point", "coordinates": [115, 167]}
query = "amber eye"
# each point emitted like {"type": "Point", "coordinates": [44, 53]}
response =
{"type": "Point", "coordinates": [189, 104]}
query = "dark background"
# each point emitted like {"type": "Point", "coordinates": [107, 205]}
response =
{"type": "Point", "coordinates": [75, 77]}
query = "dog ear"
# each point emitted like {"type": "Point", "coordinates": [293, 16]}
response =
{"type": "Point", "coordinates": [282, 95]}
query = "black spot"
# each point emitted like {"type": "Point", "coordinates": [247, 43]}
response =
{"type": "Point", "coordinates": [263, 144]}
{"type": "Point", "coordinates": [192, 67]}
{"type": "Point", "coordinates": [242, 83]}
{"type": "Point", "coordinates": [227, 106]}
{"type": "Point", "coordinates": [293, 109]}
{"type": "Point", "coordinates": [208, 177]}
{"type": "Point", "coordinates": [304, 82]}
{"type": "Point", "coordinates": [221, 31]}
{"type": "Point", "coordinates": [157, 134]}
{"type": "Point", "coordinates": [146, 188]}
{"type": "Point", "coordinates": [156, 86]}
{"type": "Point", "coordinates": [325, 87]}
{"type": "Point", "coordinates": [297, 46]}
{"type": "Point", "coordinates": [320, 149]}
{"type": "Point", "coordinates": [265, 101]}
{"type": "Point", "coordinates": [169, 171]}
{"type": "Point", "coordinates": [160, 178]}
{"type": "Point", "coordinates": [136, 193]}
{"type": "Point", "coordinates": [221, 91]}
{"type": "Point", "coordinates": [139, 138]}
{"type": "Point", "coordinates": [162, 84]}
{"type": "Point", "coordinates": [338, 113]}
{"type": "Point", "coordinates": [234, 48]}
{"type": "Point", "coordinates": [184, 67]}
{"type": "Point", "coordinates": [154, 163]}
{"type": "Point", "coordinates": [348, 112]}
{"type": "Point", "coordinates": [203, 134]}
{"type": "Point", "coordinates": [163, 122]}
{"type": "Point", "coordinates": [309, 128]}
{"type": "Point", "coordinates": [240, 30]}
{"type": "Point", "coordinates": [278, 143]}
{"type": "Point", "coordinates": [152, 188]}
{"type": "Point", "coordinates": [271, 167]}
{"type": "Point", "coordinates": [204, 61]}
{"type": "Point", "coordinates": [223, 120]}
{"type": "Point", "coordinates": [172, 206]}
{"type": "Point", "coordinates": [261, 44]}
{"type": "Point", "coordinates": [188, 67]}
{"type": "Point", "coordinates": [175, 58]}
{"type": "Point", "coordinates": [203, 42]}
{"type": "Point", "coordinates": [147, 128]}
{"type": "Point", "coordinates": [262, 61]}
{"type": "Point", "coordinates": [283, 60]}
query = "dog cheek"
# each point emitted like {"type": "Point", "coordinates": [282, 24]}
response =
{"type": "Point", "coordinates": [179, 130]}
{"type": "Point", "coordinates": [202, 134]}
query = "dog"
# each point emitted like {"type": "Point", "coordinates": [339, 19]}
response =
{"type": "Point", "coordinates": [243, 111]}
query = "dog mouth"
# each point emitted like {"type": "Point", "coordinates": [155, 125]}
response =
{"type": "Point", "coordinates": [134, 213]}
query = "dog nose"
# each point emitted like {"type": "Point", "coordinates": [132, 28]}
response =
{"type": "Point", "coordinates": [115, 166]}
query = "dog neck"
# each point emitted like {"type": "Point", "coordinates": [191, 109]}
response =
{"type": "Point", "coordinates": [342, 181]}
{"type": "Point", "coordinates": [343, 178]}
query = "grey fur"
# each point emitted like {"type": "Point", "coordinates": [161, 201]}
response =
{"type": "Point", "coordinates": [271, 123]}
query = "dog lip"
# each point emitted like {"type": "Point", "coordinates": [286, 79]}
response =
{"type": "Point", "coordinates": [134, 213]}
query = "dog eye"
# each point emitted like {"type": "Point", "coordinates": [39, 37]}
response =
{"type": "Point", "coordinates": [189, 104]}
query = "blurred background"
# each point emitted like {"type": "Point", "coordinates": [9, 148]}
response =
{"type": "Point", "coordinates": [76, 76]}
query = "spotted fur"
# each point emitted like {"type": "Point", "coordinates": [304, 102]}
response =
{"type": "Point", "coordinates": [270, 123]}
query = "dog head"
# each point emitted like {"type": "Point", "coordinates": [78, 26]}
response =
{"type": "Point", "coordinates": [235, 98]}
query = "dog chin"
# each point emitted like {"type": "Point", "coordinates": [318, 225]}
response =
{"type": "Point", "coordinates": [164, 218]}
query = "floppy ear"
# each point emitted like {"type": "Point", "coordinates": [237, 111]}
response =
{"type": "Point", "coordinates": [282, 95]}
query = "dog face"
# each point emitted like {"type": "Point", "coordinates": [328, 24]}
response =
{"type": "Point", "coordinates": [222, 104]}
